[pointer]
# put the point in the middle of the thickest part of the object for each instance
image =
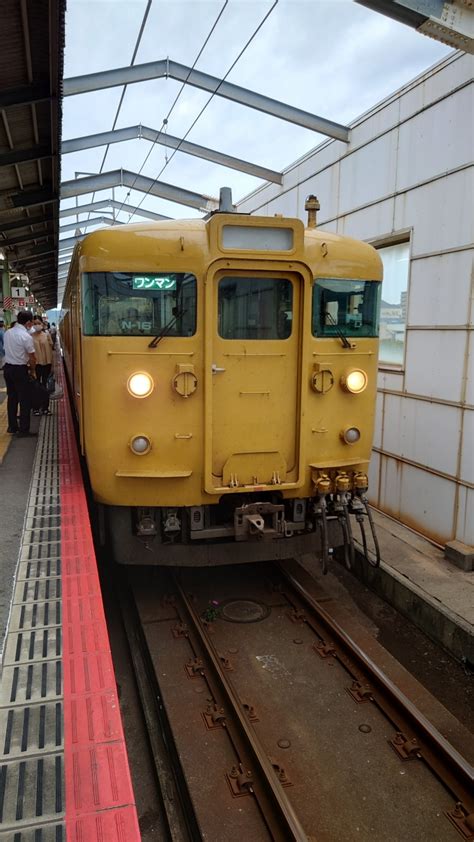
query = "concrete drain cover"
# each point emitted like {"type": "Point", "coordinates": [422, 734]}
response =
{"type": "Point", "coordinates": [244, 611]}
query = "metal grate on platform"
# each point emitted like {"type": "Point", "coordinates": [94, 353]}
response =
{"type": "Point", "coordinates": [32, 798]}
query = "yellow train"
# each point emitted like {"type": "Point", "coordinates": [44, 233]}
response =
{"type": "Point", "coordinates": [223, 373]}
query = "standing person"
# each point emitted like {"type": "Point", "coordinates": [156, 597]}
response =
{"type": "Point", "coordinates": [2, 349]}
{"type": "Point", "coordinates": [43, 350]}
{"type": "Point", "coordinates": [19, 354]}
{"type": "Point", "coordinates": [44, 357]}
{"type": "Point", "coordinates": [53, 333]}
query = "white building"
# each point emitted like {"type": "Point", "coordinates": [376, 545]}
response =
{"type": "Point", "coordinates": [405, 183]}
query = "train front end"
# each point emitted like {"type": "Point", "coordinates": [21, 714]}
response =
{"type": "Point", "coordinates": [227, 376]}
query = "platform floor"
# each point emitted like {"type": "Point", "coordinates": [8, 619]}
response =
{"type": "Point", "coordinates": [63, 766]}
{"type": "Point", "coordinates": [417, 580]}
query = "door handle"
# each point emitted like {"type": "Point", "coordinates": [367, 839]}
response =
{"type": "Point", "coordinates": [215, 369]}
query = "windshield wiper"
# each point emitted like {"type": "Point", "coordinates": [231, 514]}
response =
{"type": "Point", "coordinates": [166, 329]}
{"type": "Point", "coordinates": [339, 332]}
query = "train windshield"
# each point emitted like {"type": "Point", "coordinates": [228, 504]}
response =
{"type": "Point", "coordinates": [347, 307]}
{"type": "Point", "coordinates": [255, 308]}
{"type": "Point", "coordinates": [138, 304]}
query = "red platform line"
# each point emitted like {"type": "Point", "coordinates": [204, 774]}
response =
{"type": "Point", "coordinates": [100, 804]}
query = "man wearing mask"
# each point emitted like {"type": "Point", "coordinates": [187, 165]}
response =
{"type": "Point", "coordinates": [19, 354]}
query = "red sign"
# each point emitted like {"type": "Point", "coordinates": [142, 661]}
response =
{"type": "Point", "coordinates": [20, 302]}
{"type": "Point", "coordinates": [8, 303]}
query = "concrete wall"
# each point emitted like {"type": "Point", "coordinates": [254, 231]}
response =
{"type": "Point", "coordinates": [408, 170]}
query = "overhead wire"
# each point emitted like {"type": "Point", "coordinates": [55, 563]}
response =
{"type": "Point", "coordinates": [164, 124]}
{"type": "Point", "coordinates": [132, 62]}
{"type": "Point", "coordinates": [255, 33]}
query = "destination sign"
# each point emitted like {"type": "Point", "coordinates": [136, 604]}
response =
{"type": "Point", "coordinates": [158, 282]}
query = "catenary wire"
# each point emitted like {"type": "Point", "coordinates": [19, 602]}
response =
{"type": "Point", "coordinates": [165, 119]}
{"type": "Point", "coordinates": [135, 51]}
{"type": "Point", "coordinates": [256, 31]}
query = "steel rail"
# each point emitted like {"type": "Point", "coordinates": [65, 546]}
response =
{"type": "Point", "coordinates": [288, 820]}
{"type": "Point", "coordinates": [457, 771]}
{"type": "Point", "coordinates": [175, 799]}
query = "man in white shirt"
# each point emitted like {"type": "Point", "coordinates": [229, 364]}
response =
{"type": "Point", "coordinates": [19, 354]}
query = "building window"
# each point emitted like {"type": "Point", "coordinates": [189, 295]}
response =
{"type": "Point", "coordinates": [393, 305]}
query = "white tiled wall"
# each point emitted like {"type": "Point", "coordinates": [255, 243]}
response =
{"type": "Point", "coordinates": [434, 363]}
{"type": "Point", "coordinates": [432, 300]}
{"type": "Point", "coordinates": [409, 167]}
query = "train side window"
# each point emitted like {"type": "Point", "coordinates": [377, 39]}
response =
{"type": "Point", "coordinates": [255, 308]}
{"type": "Point", "coordinates": [347, 306]}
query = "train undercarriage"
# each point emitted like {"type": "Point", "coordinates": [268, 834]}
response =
{"type": "Point", "coordinates": [246, 527]}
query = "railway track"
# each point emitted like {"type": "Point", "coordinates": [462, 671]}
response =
{"type": "Point", "coordinates": [270, 720]}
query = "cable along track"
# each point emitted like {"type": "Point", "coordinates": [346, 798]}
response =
{"type": "Point", "coordinates": [271, 742]}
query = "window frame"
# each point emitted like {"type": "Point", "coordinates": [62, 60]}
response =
{"type": "Point", "coordinates": [402, 237]}
{"type": "Point", "coordinates": [317, 284]}
{"type": "Point", "coordinates": [243, 276]}
{"type": "Point", "coordinates": [85, 288]}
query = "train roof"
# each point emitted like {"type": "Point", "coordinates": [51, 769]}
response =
{"type": "Point", "coordinates": [137, 240]}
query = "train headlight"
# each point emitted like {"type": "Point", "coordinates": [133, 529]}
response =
{"type": "Point", "coordinates": [140, 445]}
{"type": "Point", "coordinates": [350, 435]}
{"type": "Point", "coordinates": [354, 381]}
{"type": "Point", "coordinates": [140, 384]}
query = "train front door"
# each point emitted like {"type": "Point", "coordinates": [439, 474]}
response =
{"type": "Point", "coordinates": [253, 426]}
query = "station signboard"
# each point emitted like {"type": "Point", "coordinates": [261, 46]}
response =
{"type": "Point", "coordinates": [18, 292]}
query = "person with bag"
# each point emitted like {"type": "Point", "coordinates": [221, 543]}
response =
{"type": "Point", "coordinates": [44, 359]}
{"type": "Point", "coordinates": [19, 354]}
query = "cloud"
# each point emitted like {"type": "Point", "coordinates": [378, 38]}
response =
{"type": "Point", "coordinates": [333, 58]}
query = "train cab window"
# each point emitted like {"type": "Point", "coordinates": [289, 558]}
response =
{"type": "Point", "coordinates": [255, 308]}
{"type": "Point", "coordinates": [350, 307]}
{"type": "Point", "coordinates": [138, 304]}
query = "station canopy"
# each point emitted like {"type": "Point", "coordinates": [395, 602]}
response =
{"type": "Point", "coordinates": [31, 71]}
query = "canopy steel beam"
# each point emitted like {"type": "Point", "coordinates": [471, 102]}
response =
{"type": "Point", "coordinates": [30, 198]}
{"type": "Point", "coordinates": [98, 220]}
{"type": "Point", "coordinates": [449, 21]}
{"type": "Point", "coordinates": [124, 178]}
{"type": "Point", "coordinates": [134, 132]}
{"type": "Point", "coordinates": [25, 95]}
{"type": "Point", "coordinates": [24, 222]}
{"type": "Point", "coordinates": [70, 242]}
{"type": "Point", "coordinates": [45, 248]}
{"type": "Point", "coordinates": [26, 238]}
{"type": "Point", "coordinates": [33, 260]}
{"type": "Point", "coordinates": [22, 156]}
{"type": "Point", "coordinates": [173, 70]}
{"type": "Point", "coordinates": [110, 203]}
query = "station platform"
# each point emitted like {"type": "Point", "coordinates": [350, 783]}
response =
{"type": "Point", "coordinates": [63, 769]}
{"type": "Point", "coordinates": [418, 580]}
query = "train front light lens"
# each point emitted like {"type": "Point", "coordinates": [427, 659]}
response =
{"type": "Point", "coordinates": [354, 381]}
{"type": "Point", "coordinates": [351, 435]}
{"type": "Point", "coordinates": [140, 384]}
{"type": "Point", "coordinates": [140, 445]}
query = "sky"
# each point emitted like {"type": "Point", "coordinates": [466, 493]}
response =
{"type": "Point", "coordinates": [333, 58]}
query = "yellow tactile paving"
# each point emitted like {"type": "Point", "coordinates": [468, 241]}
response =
{"type": "Point", "coordinates": [5, 438]}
